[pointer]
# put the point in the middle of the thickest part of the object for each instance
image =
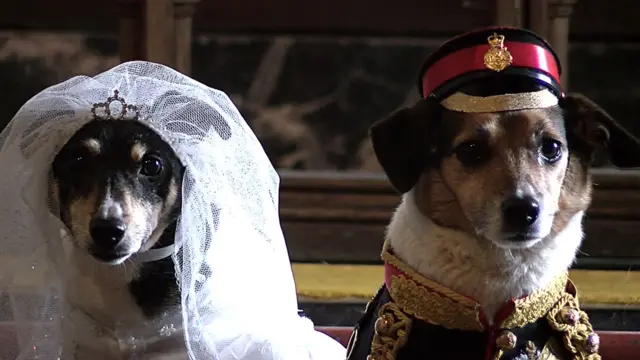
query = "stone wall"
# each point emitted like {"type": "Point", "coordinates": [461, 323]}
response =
{"type": "Point", "coordinates": [309, 99]}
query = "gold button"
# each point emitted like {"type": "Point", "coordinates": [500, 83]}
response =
{"type": "Point", "coordinates": [531, 350]}
{"type": "Point", "coordinates": [593, 343]}
{"type": "Point", "coordinates": [530, 346]}
{"type": "Point", "coordinates": [569, 316]}
{"type": "Point", "coordinates": [506, 340]}
{"type": "Point", "coordinates": [383, 324]}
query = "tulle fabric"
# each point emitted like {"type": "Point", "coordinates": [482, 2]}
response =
{"type": "Point", "coordinates": [237, 291]}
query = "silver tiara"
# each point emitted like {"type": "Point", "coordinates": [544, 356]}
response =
{"type": "Point", "coordinates": [102, 111]}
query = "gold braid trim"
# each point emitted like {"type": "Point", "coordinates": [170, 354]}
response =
{"type": "Point", "coordinates": [496, 103]}
{"type": "Point", "coordinates": [431, 307]}
{"type": "Point", "coordinates": [445, 291]}
{"type": "Point", "coordinates": [392, 330]}
{"type": "Point", "coordinates": [431, 302]}
{"type": "Point", "coordinates": [537, 304]}
{"type": "Point", "coordinates": [578, 335]}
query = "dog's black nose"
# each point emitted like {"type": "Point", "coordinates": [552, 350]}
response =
{"type": "Point", "coordinates": [107, 232]}
{"type": "Point", "coordinates": [520, 213]}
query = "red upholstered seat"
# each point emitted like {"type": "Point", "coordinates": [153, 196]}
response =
{"type": "Point", "coordinates": [615, 345]}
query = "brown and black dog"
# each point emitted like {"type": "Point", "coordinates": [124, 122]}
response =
{"type": "Point", "coordinates": [495, 183]}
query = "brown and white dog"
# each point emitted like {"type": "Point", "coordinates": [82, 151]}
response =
{"type": "Point", "coordinates": [497, 210]}
{"type": "Point", "coordinates": [495, 183]}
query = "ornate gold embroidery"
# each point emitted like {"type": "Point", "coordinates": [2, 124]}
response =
{"type": "Point", "coordinates": [536, 305]}
{"type": "Point", "coordinates": [550, 351]}
{"type": "Point", "coordinates": [497, 58]}
{"type": "Point", "coordinates": [578, 335]}
{"type": "Point", "coordinates": [505, 341]}
{"type": "Point", "coordinates": [431, 302]}
{"type": "Point", "coordinates": [421, 280]}
{"type": "Point", "coordinates": [429, 306]}
{"type": "Point", "coordinates": [531, 351]}
{"type": "Point", "coordinates": [391, 332]}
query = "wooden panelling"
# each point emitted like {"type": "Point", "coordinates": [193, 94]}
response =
{"type": "Point", "coordinates": [69, 15]}
{"type": "Point", "coordinates": [345, 17]}
{"type": "Point", "coordinates": [590, 19]}
{"type": "Point", "coordinates": [341, 217]}
{"type": "Point", "coordinates": [606, 20]}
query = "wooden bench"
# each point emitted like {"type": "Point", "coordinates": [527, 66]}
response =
{"type": "Point", "coordinates": [340, 218]}
{"type": "Point", "coordinates": [334, 227]}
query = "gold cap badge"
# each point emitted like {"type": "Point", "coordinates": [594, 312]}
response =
{"type": "Point", "coordinates": [497, 58]}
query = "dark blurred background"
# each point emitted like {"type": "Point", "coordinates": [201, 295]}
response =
{"type": "Point", "coordinates": [312, 76]}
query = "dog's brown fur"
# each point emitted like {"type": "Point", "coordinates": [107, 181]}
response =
{"type": "Point", "coordinates": [455, 195]}
{"type": "Point", "coordinates": [406, 146]}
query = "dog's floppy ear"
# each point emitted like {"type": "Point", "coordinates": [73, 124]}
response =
{"type": "Point", "coordinates": [592, 128]}
{"type": "Point", "coordinates": [400, 143]}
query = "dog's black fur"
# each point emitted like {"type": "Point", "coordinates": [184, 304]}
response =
{"type": "Point", "coordinates": [156, 288]}
{"type": "Point", "coordinates": [83, 176]}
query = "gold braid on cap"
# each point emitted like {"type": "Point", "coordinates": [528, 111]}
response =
{"type": "Point", "coordinates": [127, 112]}
{"type": "Point", "coordinates": [507, 102]}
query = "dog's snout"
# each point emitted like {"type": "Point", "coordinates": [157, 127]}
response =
{"type": "Point", "coordinates": [519, 213]}
{"type": "Point", "coordinates": [107, 232]}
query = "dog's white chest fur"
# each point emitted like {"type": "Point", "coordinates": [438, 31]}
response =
{"type": "Point", "coordinates": [477, 268]}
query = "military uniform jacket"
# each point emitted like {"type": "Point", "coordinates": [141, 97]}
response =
{"type": "Point", "coordinates": [412, 318]}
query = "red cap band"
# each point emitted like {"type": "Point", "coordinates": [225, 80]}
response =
{"type": "Point", "coordinates": [525, 55]}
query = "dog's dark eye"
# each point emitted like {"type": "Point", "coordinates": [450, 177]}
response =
{"type": "Point", "coordinates": [151, 166]}
{"type": "Point", "coordinates": [472, 153]}
{"type": "Point", "coordinates": [77, 161]}
{"type": "Point", "coordinates": [550, 150]}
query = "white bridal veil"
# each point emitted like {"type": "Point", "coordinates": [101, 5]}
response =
{"type": "Point", "coordinates": [237, 290]}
